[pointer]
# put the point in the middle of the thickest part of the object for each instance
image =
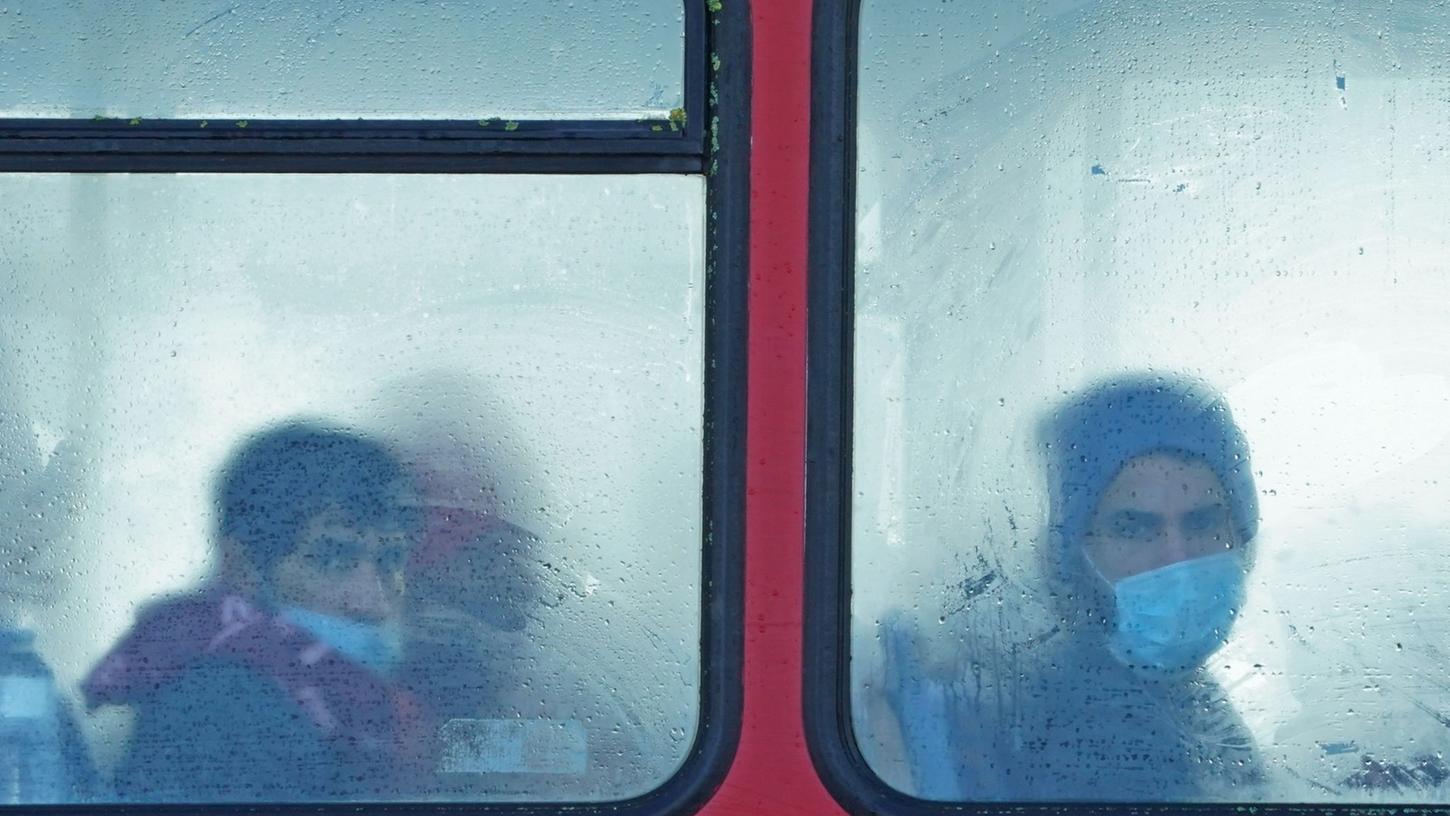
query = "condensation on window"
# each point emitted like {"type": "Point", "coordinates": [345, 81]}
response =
{"type": "Point", "coordinates": [1067, 205]}
{"type": "Point", "coordinates": [349, 487]}
{"type": "Point", "coordinates": [323, 59]}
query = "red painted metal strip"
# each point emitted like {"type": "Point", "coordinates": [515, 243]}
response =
{"type": "Point", "coordinates": [773, 773]}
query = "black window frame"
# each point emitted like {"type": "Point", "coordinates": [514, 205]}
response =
{"type": "Point", "coordinates": [495, 145]}
{"type": "Point", "coordinates": [829, 726]}
{"type": "Point", "coordinates": [712, 140]}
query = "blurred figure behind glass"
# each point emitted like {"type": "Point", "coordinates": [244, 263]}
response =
{"type": "Point", "coordinates": [496, 618]}
{"type": "Point", "coordinates": [274, 683]}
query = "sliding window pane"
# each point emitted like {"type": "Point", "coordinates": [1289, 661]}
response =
{"type": "Point", "coordinates": [329, 488]}
{"type": "Point", "coordinates": [323, 59]}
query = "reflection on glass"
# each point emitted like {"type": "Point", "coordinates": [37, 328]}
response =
{"type": "Point", "coordinates": [323, 59]}
{"type": "Point", "coordinates": [1064, 201]}
{"type": "Point", "coordinates": [349, 488]}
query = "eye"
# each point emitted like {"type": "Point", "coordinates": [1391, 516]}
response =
{"type": "Point", "coordinates": [1206, 520]}
{"type": "Point", "coordinates": [336, 555]}
{"type": "Point", "coordinates": [1134, 526]}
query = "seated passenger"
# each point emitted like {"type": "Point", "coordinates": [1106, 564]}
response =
{"type": "Point", "coordinates": [1152, 516]}
{"type": "Point", "coordinates": [1153, 512]}
{"type": "Point", "coordinates": [520, 711]}
{"type": "Point", "coordinates": [274, 683]}
{"type": "Point", "coordinates": [470, 596]}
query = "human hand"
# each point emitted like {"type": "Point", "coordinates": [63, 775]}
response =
{"type": "Point", "coordinates": [1424, 772]}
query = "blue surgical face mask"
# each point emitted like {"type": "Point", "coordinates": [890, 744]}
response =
{"type": "Point", "coordinates": [1172, 618]}
{"type": "Point", "coordinates": [376, 646]}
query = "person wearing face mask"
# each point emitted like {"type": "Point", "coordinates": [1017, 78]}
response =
{"type": "Point", "coordinates": [1151, 521]}
{"type": "Point", "coordinates": [275, 681]}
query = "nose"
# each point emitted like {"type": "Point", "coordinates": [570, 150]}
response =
{"type": "Point", "coordinates": [371, 594]}
{"type": "Point", "coordinates": [1176, 545]}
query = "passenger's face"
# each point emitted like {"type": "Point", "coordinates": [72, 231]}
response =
{"type": "Point", "coordinates": [1157, 511]}
{"type": "Point", "coordinates": [343, 569]}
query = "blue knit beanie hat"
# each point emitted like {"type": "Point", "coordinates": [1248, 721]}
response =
{"type": "Point", "coordinates": [1091, 437]}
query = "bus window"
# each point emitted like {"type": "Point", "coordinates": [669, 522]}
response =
{"type": "Point", "coordinates": [392, 480]}
{"type": "Point", "coordinates": [1150, 401]}
{"type": "Point", "coordinates": [515, 60]}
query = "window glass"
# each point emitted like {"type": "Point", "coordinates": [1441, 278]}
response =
{"type": "Point", "coordinates": [349, 487]}
{"type": "Point", "coordinates": [1151, 400]}
{"type": "Point", "coordinates": [323, 59]}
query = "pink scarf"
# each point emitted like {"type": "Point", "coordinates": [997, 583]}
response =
{"type": "Point", "coordinates": [369, 720]}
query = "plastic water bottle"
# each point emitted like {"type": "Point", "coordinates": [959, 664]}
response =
{"type": "Point", "coordinates": [32, 760]}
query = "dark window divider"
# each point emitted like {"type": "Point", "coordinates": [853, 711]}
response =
{"type": "Point", "coordinates": [715, 142]}
{"type": "Point", "coordinates": [661, 132]}
{"type": "Point", "coordinates": [831, 263]}
{"type": "Point", "coordinates": [335, 161]}
{"type": "Point", "coordinates": [181, 146]}
{"type": "Point", "coordinates": [830, 732]}
{"type": "Point", "coordinates": [727, 290]}
{"type": "Point", "coordinates": [341, 146]}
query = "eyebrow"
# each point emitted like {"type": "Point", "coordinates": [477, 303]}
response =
{"type": "Point", "coordinates": [1208, 503]}
{"type": "Point", "coordinates": [1134, 514]}
{"type": "Point", "coordinates": [1218, 508]}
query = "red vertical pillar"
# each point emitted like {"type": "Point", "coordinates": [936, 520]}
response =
{"type": "Point", "coordinates": [773, 773]}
